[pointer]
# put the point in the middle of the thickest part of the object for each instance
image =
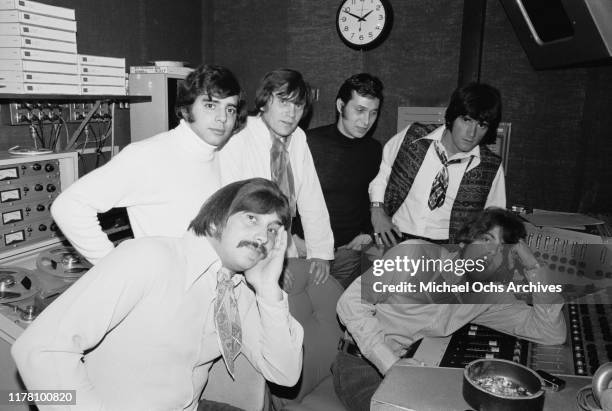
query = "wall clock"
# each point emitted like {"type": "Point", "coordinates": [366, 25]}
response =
{"type": "Point", "coordinates": [364, 24]}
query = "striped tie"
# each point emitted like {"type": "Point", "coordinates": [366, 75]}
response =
{"type": "Point", "coordinates": [440, 183]}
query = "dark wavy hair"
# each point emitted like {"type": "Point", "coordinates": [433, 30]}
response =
{"type": "Point", "coordinates": [255, 195]}
{"type": "Point", "coordinates": [212, 81]}
{"type": "Point", "coordinates": [481, 102]}
{"type": "Point", "coordinates": [511, 224]}
{"type": "Point", "coordinates": [364, 84]}
{"type": "Point", "coordinates": [286, 83]}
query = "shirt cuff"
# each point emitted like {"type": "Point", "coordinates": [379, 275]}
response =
{"type": "Point", "coordinates": [377, 195]}
{"type": "Point", "coordinates": [271, 311]}
{"type": "Point", "coordinates": [383, 357]}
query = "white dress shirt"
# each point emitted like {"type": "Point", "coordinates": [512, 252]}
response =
{"type": "Point", "coordinates": [384, 324]}
{"type": "Point", "coordinates": [414, 215]}
{"type": "Point", "coordinates": [163, 181]}
{"type": "Point", "coordinates": [247, 155]}
{"type": "Point", "coordinates": [146, 312]}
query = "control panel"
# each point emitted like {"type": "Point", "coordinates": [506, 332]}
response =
{"type": "Point", "coordinates": [28, 186]}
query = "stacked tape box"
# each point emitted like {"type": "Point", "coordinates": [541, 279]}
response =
{"type": "Point", "coordinates": [38, 54]}
{"type": "Point", "coordinates": [102, 75]}
{"type": "Point", "coordinates": [38, 50]}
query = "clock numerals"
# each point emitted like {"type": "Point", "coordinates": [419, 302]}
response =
{"type": "Point", "coordinates": [363, 23]}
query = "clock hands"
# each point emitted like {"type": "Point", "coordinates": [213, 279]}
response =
{"type": "Point", "coordinates": [362, 18]}
{"type": "Point", "coordinates": [365, 15]}
{"type": "Point", "coordinates": [354, 15]}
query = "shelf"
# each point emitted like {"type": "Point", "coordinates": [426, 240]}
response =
{"type": "Point", "coordinates": [61, 98]}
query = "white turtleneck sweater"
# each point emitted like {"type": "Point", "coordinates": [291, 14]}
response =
{"type": "Point", "coordinates": [162, 181]}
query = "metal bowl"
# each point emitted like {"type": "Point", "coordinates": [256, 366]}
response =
{"type": "Point", "coordinates": [482, 399]}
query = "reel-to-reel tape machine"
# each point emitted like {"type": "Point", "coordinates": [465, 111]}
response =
{"type": "Point", "coordinates": [36, 265]}
{"type": "Point", "coordinates": [62, 262]}
{"type": "Point", "coordinates": [25, 293]}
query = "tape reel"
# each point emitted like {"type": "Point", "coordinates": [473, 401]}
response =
{"type": "Point", "coordinates": [63, 262]}
{"type": "Point", "coordinates": [17, 284]}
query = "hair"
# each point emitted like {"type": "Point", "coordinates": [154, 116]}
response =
{"type": "Point", "coordinates": [288, 84]}
{"type": "Point", "coordinates": [255, 195]}
{"type": "Point", "coordinates": [212, 81]}
{"type": "Point", "coordinates": [511, 225]}
{"type": "Point", "coordinates": [364, 84]}
{"type": "Point", "coordinates": [481, 102]}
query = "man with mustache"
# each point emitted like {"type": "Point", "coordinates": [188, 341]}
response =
{"type": "Point", "coordinates": [433, 180]}
{"type": "Point", "coordinates": [162, 180]}
{"type": "Point", "coordinates": [142, 328]}
{"type": "Point", "coordinates": [382, 323]}
{"type": "Point", "coordinates": [272, 146]}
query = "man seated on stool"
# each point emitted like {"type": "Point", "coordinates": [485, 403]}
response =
{"type": "Point", "coordinates": [384, 324]}
{"type": "Point", "coordinates": [142, 328]}
{"type": "Point", "coordinates": [433, 180]}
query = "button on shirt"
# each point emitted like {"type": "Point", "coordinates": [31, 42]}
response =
{"type": "Point", "coordinates": [146, 313]}
{"type": "Point", "coordinates": [414, 215]}
{"type": "Point", "coordinates": [384, 324]}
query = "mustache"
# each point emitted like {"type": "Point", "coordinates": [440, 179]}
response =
{"type": "Point", "coordinates": [258, 246]}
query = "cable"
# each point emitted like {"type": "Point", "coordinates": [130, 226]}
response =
{"type": "Point", "coordinates": [85, 121]}
{"type": "Point", "coordinates": [65, 129]}
{"type": "Point", "coordinates": [112, 126]}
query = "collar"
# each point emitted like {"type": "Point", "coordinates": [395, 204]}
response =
{"type": "Point", "coordinates": [259, 128]}
{"type": "Point", "coordinates": [347, 141]}
{"type": "Point", "coordinates": [193, 143]}
{"type": "Point", "coordinates": [202, 259]}
{"type": "Point", "coordinates": [437, 134]}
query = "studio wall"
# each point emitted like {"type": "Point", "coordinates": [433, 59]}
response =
{"type": "Point", "coordinates": [560, 145]}
{"type": "Point", "coordinates": [560, 142]}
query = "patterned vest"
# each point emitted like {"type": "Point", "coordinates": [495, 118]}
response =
{"type": "Point", "coordinates": [473, 190]}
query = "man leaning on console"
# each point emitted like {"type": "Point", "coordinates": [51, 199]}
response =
{"type": "Point", "coordinates": [207, 276]}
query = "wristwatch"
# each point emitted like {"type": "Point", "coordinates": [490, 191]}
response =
{"type": "Point", "coordinates": [376, 204]}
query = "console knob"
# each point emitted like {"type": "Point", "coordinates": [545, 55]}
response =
{"type": "Point", "coordinates": [42, 227]}
{"type": "Point", "coordinates": [38, 187]}
{"type": "Point", "coordinates": [50, 188]}
{"type": "Point", "coordinates": [36, 166]}
{"type": "Point", "coordinates": [49, 167]}
{"type": "Point", "coordinates": [40, 207]}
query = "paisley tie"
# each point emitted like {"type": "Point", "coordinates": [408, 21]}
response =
{"type": "Point", "coordinates": [227, 319]}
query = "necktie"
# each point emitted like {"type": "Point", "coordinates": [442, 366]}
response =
{"type": "Point", "coordinates": [440, 183]}
{"type": "Point", "coordinates": [280, 169]}
{"type": "Point", "coordinates": [227, 319]}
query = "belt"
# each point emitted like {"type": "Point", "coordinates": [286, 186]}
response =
{"type": "Point", "coordinates": [349, 348]}
{"type": "Point", "coordinates": [406, 236]}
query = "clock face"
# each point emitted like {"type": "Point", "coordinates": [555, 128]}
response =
{"type": "Point", "coordinates": [363, 24]}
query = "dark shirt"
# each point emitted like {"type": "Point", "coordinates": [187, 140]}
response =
{"type": "Point", "coordinates": [345, 166]}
